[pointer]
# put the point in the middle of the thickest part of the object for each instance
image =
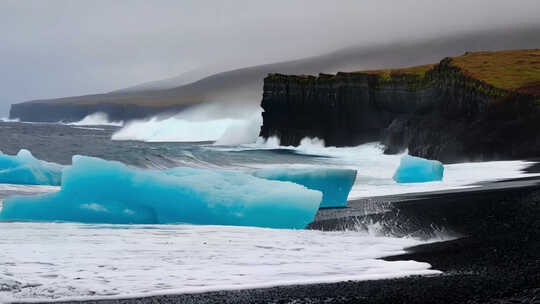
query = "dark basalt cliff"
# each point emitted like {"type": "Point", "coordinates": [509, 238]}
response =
{"type": "Point", "coordinates": [440, 113]}
{"type": "Point", "coordinates": [51, 112]}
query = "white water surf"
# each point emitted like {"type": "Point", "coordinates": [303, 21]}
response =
{"type": "Point", "coordinates": [209, 122]}
{"type": "Point", "coordinates": [96, 119]}
{"type": "Point", "coordinates": [42, 261]}
{"type": "Point", "coordinates": [375, 169]}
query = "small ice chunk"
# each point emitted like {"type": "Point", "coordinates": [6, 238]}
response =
{"type": "Point", "coordinates": [25, 169]}
{"type": "Point", "coordinates": [418, 170]}
{"type": "Point", "coordinates": [99, 191]}
{"type": "Point", "coordinates": [335, 184]}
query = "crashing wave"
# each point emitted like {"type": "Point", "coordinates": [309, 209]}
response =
{"type": "Point", "coordinates": [5, 119]}
{"type": "Point", "coordinates": [97, 119]}
{"type": "Point", "coordinates": [175, 130]}
{"type": "Point", "coordinates": [194, 126]}
{"type": "Point", "coordinates": [273, 142]}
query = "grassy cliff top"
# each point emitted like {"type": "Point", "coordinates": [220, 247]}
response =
{"type": "Point", "coordinates": [415, 70]}
{"type": "Point", "coordinates": [517, 70]}
{"type": "Point", "coordinates": [512, 70]}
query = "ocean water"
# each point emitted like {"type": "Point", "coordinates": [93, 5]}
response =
{"type": "Point", "coordinates": [71, 260]}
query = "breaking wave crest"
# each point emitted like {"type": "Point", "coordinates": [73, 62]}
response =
{"type": "Point", "coordinates": [97, 119]}
{"type": "Point", "coordinates": [307, 143]}
{"type": "Point", "coordinates": [5, 119]}
{"type": "Point", "coordinates": [183, 128]}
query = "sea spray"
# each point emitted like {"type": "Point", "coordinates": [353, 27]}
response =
{"type": "Point", "coordinates": [195, 126]}
{"type": "Point", "coordinates": [96, 119]}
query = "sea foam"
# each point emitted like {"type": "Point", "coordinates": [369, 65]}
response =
{"type": "Point", "coordinates": [90, 261]}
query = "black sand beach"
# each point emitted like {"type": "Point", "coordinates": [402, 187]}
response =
{"type": "Point", "coordinates": [496, 259]}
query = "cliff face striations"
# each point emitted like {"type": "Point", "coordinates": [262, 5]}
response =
{"type": "Point", "coordinates": [448, 111]}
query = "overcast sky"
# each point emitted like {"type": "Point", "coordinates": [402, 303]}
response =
{"type": "Point", "coordinates": [60, 48]}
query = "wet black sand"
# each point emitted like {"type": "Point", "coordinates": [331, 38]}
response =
{"type": "Point", "coordinates": [496, 260]}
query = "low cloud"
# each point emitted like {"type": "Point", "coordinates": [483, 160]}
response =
{"type": "Point", "coordinates": [61, 48]}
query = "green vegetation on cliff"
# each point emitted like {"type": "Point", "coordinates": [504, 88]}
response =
{"type": "Point", "coordinates": [477, 106]}
{"type": "Point", "coordinates": [514, 70]}
{"type": "Point", "coordinates": [496, 73]}
{"type": "Point", "coordinates": [416, 71]}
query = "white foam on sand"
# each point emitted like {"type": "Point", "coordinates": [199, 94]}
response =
{"type": "Point", "coordinates": [76, 261]}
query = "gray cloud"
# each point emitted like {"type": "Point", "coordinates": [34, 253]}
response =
{"type": "Point", "coordinates": [60, 48]}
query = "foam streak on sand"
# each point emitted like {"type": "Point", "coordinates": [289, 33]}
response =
{"type": "Point", "coordinates": [82, 261]}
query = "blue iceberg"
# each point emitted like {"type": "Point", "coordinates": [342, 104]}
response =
{"type": "Point", "coordinates": [335, 184]}
{"type": "Point", "coordinates": [24, 168]}
{"type": "Point", "coordinates": [100, 191]}
{"type": "Point", "coordinates": [418, 170]}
